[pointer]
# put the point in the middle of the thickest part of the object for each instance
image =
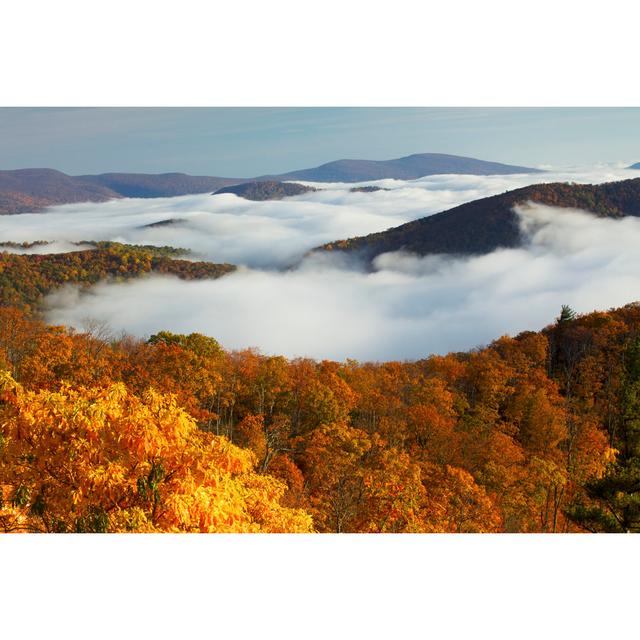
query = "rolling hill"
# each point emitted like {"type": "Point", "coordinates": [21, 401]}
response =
{"type": "Point", "coordinates": [24, 190]}
{"type": "Point", "coordinates": [32, 190]}
{"type": "Point", "coordinates": [26, 279]}
{"type": "Point", "coordinates": [267, 190]}
{"type": "Point", "coordinates": [484, 225]}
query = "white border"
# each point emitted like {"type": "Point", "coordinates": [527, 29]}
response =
{"type": "Point", "coordinates": [286, 53]}
{"type": "Point", "coordinates": [335, 52]}
{"type": "Point", "coordinates": [352, 586]}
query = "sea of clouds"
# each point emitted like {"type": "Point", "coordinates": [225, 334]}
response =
{"type": "Point", "coordinates": [272, 234]}
{"type": "Point", "coordinates": [407, 308]}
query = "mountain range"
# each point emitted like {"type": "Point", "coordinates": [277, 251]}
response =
{"type": "Point", "coordinates": [487, 224]}
{"type": "Point", "coordinates": [407, 168]}
{"type": "Point", "coordinates": [162, 185]}
{"type": "Point", "coordinates": [26, 190]}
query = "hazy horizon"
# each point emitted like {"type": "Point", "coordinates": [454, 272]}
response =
{"type": "Point", "coordinates": [249, 141]}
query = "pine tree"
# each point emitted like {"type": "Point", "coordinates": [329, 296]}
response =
{"type": "Point", "coordinates": [616, 494]}
{"type": "Point", "coordinates": [566, 314]}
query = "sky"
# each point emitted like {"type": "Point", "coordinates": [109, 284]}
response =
{"type": "Point", "coordinates": [246, 142]}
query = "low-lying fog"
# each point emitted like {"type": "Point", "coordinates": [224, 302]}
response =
{"type": "Point", "coordinates": [273, 234]}
{"type": "Point", "coordinates": [408, 308]}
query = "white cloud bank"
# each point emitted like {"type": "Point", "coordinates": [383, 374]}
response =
{"type": "Point", "coordinates": [55, 246]}
{"type": "Point", "coordinates": [273, 234]}
{"type": "Point", "coordinates": [409, 308]}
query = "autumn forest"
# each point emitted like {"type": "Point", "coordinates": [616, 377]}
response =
{"type": "Point", "coordinates": [536, 433]}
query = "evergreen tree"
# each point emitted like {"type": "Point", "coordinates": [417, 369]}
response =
{"type": "Point", "coordinates": [566, 314]}
{"type": "Point", "coordinates": [616, 495]}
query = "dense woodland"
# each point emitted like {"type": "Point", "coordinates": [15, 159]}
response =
{"type": "Point", "coordinates": [537, 433]}
{"type": "Point", "coordinates": [26, 279]}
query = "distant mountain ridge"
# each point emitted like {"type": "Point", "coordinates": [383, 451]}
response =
{"type": "Point", "coordinates": [25, 190]}
{"type": "Point", "coordinates": [161, 185]}
{"type": "Point", "coordinates": [484, 225]}
{"type": "Point", "coordinates": [407, 168]}
{"type": "Point", "coordinates": [30, 190]}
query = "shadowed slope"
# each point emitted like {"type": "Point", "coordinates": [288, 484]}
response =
{"type": "Point", "coordinates": [484, 225]}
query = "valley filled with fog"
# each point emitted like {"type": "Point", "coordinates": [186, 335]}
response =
{"type": "Point", "coordinates": [321, 306]}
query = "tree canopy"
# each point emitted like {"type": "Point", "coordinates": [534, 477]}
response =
{"type": "Point", "coordinates": [533, 433]}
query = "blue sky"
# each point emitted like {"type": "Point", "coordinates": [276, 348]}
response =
{"type": "Point", "coordinates": [245, 142]}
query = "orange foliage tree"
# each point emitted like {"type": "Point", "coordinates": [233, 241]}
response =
{"type": "Point", "coordinates": [503, 438]}
{"type": "Point", "coordinates": [104, 460]}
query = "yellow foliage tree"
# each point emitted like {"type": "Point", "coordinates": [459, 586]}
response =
{"type": "Point", "coordinates": [105, 460]}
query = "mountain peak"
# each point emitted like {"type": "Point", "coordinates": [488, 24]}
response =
{"type": "Point", "coordinates": [409, 167]}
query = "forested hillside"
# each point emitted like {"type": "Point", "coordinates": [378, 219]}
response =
{"type": "Point", "coordinates": [536, 433]}
{"type": "Point", "coordinates": [490, 223]}
{"type": "Point", "coordinates": [267, 190]}
{"type": "Point", "coordinates": [25, 279]}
